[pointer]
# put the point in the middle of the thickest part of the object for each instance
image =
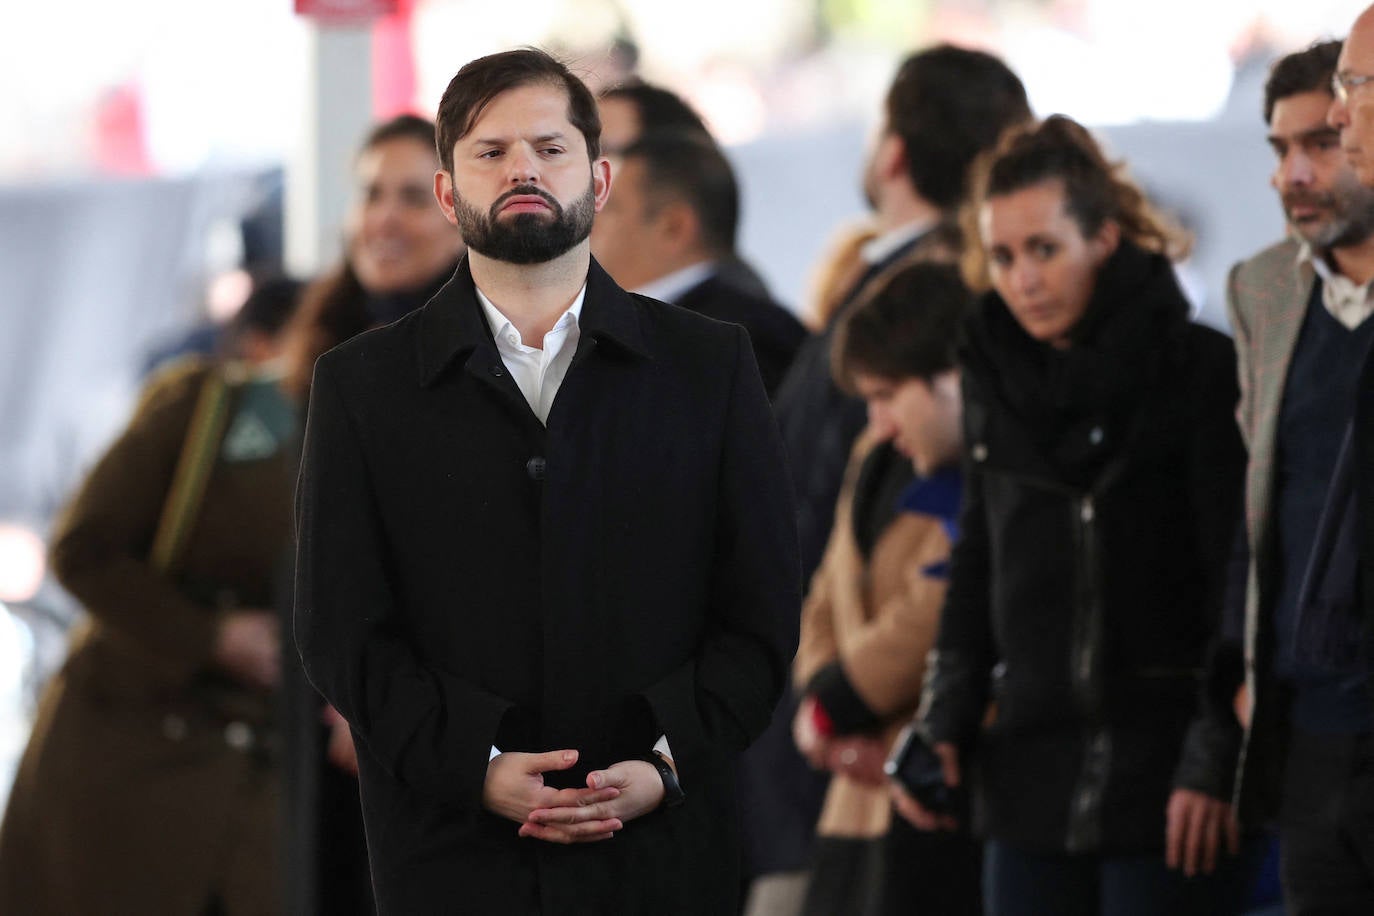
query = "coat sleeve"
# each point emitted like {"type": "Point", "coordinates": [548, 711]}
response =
{"type": "Point", "coordinates": [430, 730]}
{"type": "Point", "coordinates": [723, 697]}
{"type": "Point", "coordinates": [1216, 465]}
{"type": "Point", "coordinates": [885, 660]}
{"type": "Point", "coordinates": [101, 543]}
{"type": "Point", "coordinates": [1240, 329]}
{"type": "Point", "coordinates": [956, 686]}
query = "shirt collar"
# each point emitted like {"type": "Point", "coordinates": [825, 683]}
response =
{"type": "Point", "coordinates": [453, 324]}
{"type": "Point", "coordinates": [1338, 290]}
{"type": "Point", "coordinates": [878, 249]}
{"type": "Point", "coordinates": [501, 326]}
{"type": "Point", "coordinates": [670, 288]}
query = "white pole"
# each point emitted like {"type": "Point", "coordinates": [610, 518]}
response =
{"type": "Point", "coordinates": [338, 112]}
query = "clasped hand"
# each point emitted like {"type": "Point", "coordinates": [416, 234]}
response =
{"type": "Point", "coordinates": [614, 796]}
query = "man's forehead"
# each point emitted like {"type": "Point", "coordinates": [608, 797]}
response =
{"type": "Point", "coordinates": [544, 101]}
{"type": "Point", "coordinates": [1300, 114]}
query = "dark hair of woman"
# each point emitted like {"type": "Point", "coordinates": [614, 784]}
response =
{"type": "Point", "coordinates": [1096, 189]}
{"type": "Point", "coordinates": [333, 307]}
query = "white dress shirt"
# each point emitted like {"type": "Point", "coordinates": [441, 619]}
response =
{"type": "Point", "coordinates": [671, 287]}
{"type": "Point", "coordinates": [1348, 302]}
{"type": "Point", "coordinates": [880, 248]}
{"type": "Point", "coordinates": [539, 372]}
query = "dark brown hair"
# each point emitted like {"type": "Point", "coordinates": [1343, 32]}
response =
{"type": "Point", "coordinates": [1096, 190]}
{"type": "Point", "coordinates": [948, 104]}
{"type": "Point", "coordinates": [480, 81]}
{"type": "Point", "coordinates": [910, 327]}
{"type": "Point", "coordinates": [1308, 70]}
{"type": "Point", "coordinates": [688, 166]}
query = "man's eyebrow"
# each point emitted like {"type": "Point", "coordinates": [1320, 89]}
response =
{"type": "Point", "coordinates": [502, 141]}
{"type": "Point", "coordinates": [1313, 134]}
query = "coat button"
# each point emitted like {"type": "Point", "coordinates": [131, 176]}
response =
{"type": "Point", "coordinates": [980, 452]}
{"type": "Point", "coordinates": [174, 728]}
{"type": "Point", "coordinates": [238, 735]}
{"type": "Point", "coordinates": [536, 468]}
{"type": "Point", "coordinates": [497, 370]}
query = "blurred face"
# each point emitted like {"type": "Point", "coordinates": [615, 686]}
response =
{"type": "Point", "coordinates": [625, 234]}
{"type": "Point", "coordinates": [619, 124]}
{"type": "Point", "coordinates": [523, 189]}
{"type": "Point", "coordinates": [1353, 115]}
{"type": "Point", "coordinates": [397, 238]}
{"type": "Point", "coordinates": [1040, 262]}
{"type": "Point", "coordinates": [1322, 199]}
{"type": "Point", "coordinates": [921, 418]}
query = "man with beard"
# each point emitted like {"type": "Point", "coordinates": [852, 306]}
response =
{"type": "Point", "coordinates": [547, 563]}
{"type": "Point", "coordinates": [1300, 312]}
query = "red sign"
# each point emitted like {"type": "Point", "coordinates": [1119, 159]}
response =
{"type": "Point", "coordinates": [341, 11]}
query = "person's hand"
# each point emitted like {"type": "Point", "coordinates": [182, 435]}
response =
{"type": "Point", "coordinates": [340, 750]}
{"type": "Point", "coordinates": [515, 788]}
{"type": "Point", "coordinates": [810, 742]}
{"type": "Point", "coordinates": [248, 647]}
{"type": "Point", "coordinates": [920, 817]}
{"type": "Point", "coordinates": [860, 757]}
{"type": "Point", "coordinates": [640, 790]}
{"type": "Point", "coordinates": [1196, 823]}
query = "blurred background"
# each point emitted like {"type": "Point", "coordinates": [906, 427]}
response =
{"type": "Point", "coordinates": [152, 151]}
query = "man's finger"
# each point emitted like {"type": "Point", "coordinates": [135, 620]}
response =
{"type": "Point", "coordinates": [573, 798]}
{"type": "Point", "coordinates": [1192, 840]}
{"type": "Point", "coordinates": [1211, 840]}
{"type": "Point", "coordinates": [613, 778]}
{"type": "Point", "coordinates": [589, 831]}
{"type": "Point", "coordinates": [574, 815]}
{"type": "Point", "coordinates": [1176, 821]}
{"type": "Point", "coordinates": [550, 760]}
{"type": "Point", "coordinates": [555, 835]}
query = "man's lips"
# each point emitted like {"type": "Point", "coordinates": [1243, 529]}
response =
{"type": "Point", "coordinates": [525, 203]}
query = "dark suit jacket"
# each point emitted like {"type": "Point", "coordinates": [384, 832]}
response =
{"type": "Point", "coordinates": [470, 578]}
{"type": "Point", "coordinates": [773, 330]}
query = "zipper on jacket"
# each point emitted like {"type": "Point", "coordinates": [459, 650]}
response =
{"type": "Point", "coordinates": [1084, 831]}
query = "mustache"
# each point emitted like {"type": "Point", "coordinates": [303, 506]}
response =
{"type": "Point", "coordinates": [1308, 199]}
{"type": "Point", "coordinates": [526, 190]}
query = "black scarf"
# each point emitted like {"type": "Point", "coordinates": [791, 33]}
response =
{"type": "Point", "coordinates": [384, 308]}
{"type": "Point", "coordinates": [1078, 403]}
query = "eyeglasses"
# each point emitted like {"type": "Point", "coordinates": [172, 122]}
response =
{"type": "Point", "coordinates": [1343, 83]}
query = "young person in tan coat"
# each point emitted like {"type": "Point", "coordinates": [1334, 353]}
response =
{"type": "Point", "coordinates": [874, 604]}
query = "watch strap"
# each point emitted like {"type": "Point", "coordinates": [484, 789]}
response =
{"type": "Point", "coordinates": [672, 789]}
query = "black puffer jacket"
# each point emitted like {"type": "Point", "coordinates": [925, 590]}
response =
{"type": "Point", "coordinates": [1104, 484]}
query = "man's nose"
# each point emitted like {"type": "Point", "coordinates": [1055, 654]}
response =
{"type": "Point", "coordinates": [880, 421]}
{"type": "Point", "coordinates": [1337, 115]}
{"type": "Point", "coordinates": [1296, 169]}
{"type": "Point", "coordinates": [524, 169]}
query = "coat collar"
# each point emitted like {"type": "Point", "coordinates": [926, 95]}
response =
{"type": "Point", "coordinates": [452, 324]}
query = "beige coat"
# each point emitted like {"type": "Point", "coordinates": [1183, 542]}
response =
{"type": "Point", "coordinates": [147, 783]}
{"type": "Point", "coordinates": [878, 620]}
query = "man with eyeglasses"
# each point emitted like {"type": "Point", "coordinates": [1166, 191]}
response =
{"type": "Point", "coordinates": [1352, 109]}
{"type": "Point", "coordinates": [1300, 313]}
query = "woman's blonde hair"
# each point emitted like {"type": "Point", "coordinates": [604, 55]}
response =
{"type": "Point", "coordinates": [1096, 190]}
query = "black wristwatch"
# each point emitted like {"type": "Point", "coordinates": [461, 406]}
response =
{"type": "Point", "coordinates": [672, 789]}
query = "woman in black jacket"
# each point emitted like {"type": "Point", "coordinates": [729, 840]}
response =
{"type": "Point", "coordinates": [1103, 487]}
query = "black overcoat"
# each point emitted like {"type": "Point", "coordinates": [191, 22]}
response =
{"type": "Point", "coordinates": [468, 578]}
{"type": "Point", "coordinates": [1088, 578]}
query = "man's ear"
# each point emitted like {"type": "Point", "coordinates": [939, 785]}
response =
{"type": "Point", "coordinates": [678, 225]}
{"type": "Point", "coordinates": [891, 156]}
{"type": "Point", "coordinates": [601, 182]}
{"type": "Point", "coordinates": [443, 192]}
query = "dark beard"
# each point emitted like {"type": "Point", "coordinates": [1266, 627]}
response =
{"type": "Point", "coordinates": [526, 238]}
